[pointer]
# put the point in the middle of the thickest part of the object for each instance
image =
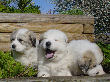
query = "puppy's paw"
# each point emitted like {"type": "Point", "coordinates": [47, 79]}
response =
{"type": "Point", "coordinates": [43, 75]}
{"type": "Point", "coordinates": [84, 65]}
{"type": "Point", "coordinates": [84, 68]}
{"type": "Point", "coordinates": [98, 70]}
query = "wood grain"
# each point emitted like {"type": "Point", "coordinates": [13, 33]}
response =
{"type": "Point", "coordinates": [41, 27]}
{"type": "Point", "coordinates": [4, 46]}
{"type": "Point", "coordinates": [23, 18]}
{"type": "Point", "coordinates": [88, 28]}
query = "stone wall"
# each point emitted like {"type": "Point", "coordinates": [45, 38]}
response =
{"type": "Point", "coordinates": [76, 27]}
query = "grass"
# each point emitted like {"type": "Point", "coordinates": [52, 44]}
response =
{"type": "Point", "coordinates": [9, 68]}
{"type": "Point", "coordinates": [106, 52]}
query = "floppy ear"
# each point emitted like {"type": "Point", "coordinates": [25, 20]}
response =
{"type": "Point", "coordinates": [13, 34]}
{"type": "Point", "coordinates": [32, 38]}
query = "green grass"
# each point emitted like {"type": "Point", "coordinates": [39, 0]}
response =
{"type": "Point", "coordinates": [9, 68]}
{"type": "Point", "coordinates": [106, 51]}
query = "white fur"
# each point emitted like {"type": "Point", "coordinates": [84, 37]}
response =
{"type": "Point", "coordinates": [22, 31]}
{"type": "Point", "coordinates": [19, 46]}
{"type": "Point", "coordinates": [26, 55]}
{"type": "Point", "coordinates": [77, 48]}
{"type": "Point", "coordinates": [61, 63]}
{"type": "Point", "coordinates": [98, 70]}
{"type": "Point", "coordinates": [27, 58]}
{"type": "Point", "coordinates": [65, 60]}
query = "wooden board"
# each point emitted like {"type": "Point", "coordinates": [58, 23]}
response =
{"type": "Point", "coordinates": [88, 28]}
{"type": "Point", "coordinates": [4, 46]}
{"type": "Point", "coordinates": [23, 18]}
{"type": "Point", "coordinates": [41, 27]}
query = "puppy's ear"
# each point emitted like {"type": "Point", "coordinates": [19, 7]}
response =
{"type": "Point", "coordinates": [13, 34]}
{"type": "Point", "coordinates": [32, 38]}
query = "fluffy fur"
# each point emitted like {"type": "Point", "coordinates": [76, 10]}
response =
{"type": "Point", "coordinates": [87, 57]}
{"type": "Point", "coordinates": [58, 58]}
{"type": "Point", "coordinates": [98, 70]}
{"type": "Point", "coordinates": [24, 47]}
{"type": "Point", "coordinates": [54, 59]}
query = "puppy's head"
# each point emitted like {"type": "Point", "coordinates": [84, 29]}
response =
{"type": "Point", "coordinates": [22, 40]}
{"type": "Point", "coordinates": [53, 42]}
{"type": "Point", "coordinates": [98, 70]}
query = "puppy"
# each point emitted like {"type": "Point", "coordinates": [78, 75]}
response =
{"type": "Point", "coordinates": [24, 47]}
{"type": "Point", "coordinates": [87, 57]}
{"type": "Point", "coordinates": [53, 55]}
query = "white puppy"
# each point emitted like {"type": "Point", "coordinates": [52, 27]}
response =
{"type": "Point", "coordinates": [54, 59]}
{"type": "Point", "coordinates": [24, 47]}
{"type": "Point", "coordinates": [87, 57]}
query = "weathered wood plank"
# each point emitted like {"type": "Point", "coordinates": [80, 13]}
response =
{"type": "Point", "coordinates": [41, 27]}
{"type": "Point", "coordinates": [4, 46]}
{"type": "Point", "coordinates": [4, 37]}
{"type": "Point", "coordinates": [7, 17]}
{"type": "Point", "coordinates": [88, 28]}
{"type": "Point", "coordinates": [76, 36]}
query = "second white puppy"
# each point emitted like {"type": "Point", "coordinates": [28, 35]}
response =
{"type": "Point", "coordinates": [54, 59]}
{"type": "Point", "coordinates": [87, 57]}
{"type": "Point", "coordinates": [24, 47]}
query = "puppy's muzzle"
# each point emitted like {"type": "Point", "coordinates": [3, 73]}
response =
{"type": "Point", "coordinates": [13, 46]}
{"type": "Point", "coordinates": [48, 44]}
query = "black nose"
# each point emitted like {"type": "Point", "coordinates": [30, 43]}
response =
{"type": "Point", "coordinates": [13, 46]}
{"type": "Point", "coordinates": [48, 44]}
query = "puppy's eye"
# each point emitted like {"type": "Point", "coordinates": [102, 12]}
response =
{"type": "Point", "coordinates": [12, 39]}
{"type": "Point", "coordinates": [94, 66]}
{"type": "Point", "coordinates": [97, 73]}
{"type": "Point", "coordinates": [20, 40]}
{"type": "Point", "coordinates": [56, 40]}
